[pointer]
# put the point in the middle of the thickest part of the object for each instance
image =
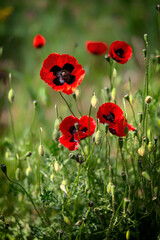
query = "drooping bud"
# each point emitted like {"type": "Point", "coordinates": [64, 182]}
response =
{"type": "Point", "coordinates": [91, 204]}
{"type": "Point", "coordinates": [28, 154]}
{"type": "Point", "coordinates": [146, 176]}
{"type": "Point", "coordinates": [56, 124]}
{"type": "Point", "coordinates": [94, 101]}
{"type": "Point", "coordinates": [141, 151]}
{"type": "Point", "coordinates": [56, 166]}
{"type": "Point", "coordinates": [11, 95]}
{"type": "Point", "coordinates": [78, 223]}
{"type": "Point", "coordinates": [98, 137]}
{"type": "Point", "coordinates": [128, 235]}
{"type": "Point", "coordinates": [148, 99]}
{"type": "Point", "coordinates": [41, 150]}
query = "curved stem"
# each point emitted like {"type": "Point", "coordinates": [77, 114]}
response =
{"type": "Point", "coordinates": [67, 103]}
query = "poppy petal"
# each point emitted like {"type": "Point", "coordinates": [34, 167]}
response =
{"type": "Point", "coordinates": [96, 47]}
{"type": "Point", "coordinates": [66, 141]}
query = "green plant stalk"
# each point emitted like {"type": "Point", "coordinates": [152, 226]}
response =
{"type": "Point", "coordinates": [67, 104]}
{"type": "Point", "coordinates": [125, 167]}
{"type": "Point", "coordinates": [134, 116]}
{"type": "Point", "coordinates": [12, 125]}
{"type": "Point", "coordinates": [90, 109]}
{"type": "Point", "coordinates": [78, 107]}
{"type": "Point", "coordinates": [108, 152]}
{"type": "Point", "coordinates": [80, 229]}
{"type": "Point", "coordinates": [27, 195]}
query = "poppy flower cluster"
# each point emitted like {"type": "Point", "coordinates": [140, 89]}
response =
{"type": "Point", "coordinates": [113, 115]}
{"type": "Point", "coordinates": [74, 130]}
{"type": "Point", "coordinates": [120, 51]}
{"type": "Point", "coordinates": [62, 72]}
{"type": "Point", "coordinates": [39, 41]}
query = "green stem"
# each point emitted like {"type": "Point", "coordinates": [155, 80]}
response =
{"type": "Point", "coordinates": [134, 120]}
{"type": "Point", "coordinates": [67, 104]}
{"type": "Point", "coordinates": [90, 109]}
{"type": "Point", "coordinates": [12, 124]}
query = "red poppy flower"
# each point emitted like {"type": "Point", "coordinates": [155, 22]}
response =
{"type": "Point", "coordinates": [120, 51]}
{"type": "Point", "coordinates": [62, 72]}
{"type": "Point", "coordinates": [110, 113]}
{"type": "Point", "coordinates": [96, 48]}
{"type": "Point", "coordinates": [39, 41]}
{"type": "Point", "coordinates": [72, 134]}
{"type": "Point", "coordinates": [119, 129]}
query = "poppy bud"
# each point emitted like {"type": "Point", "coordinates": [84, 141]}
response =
{"type": "Point", "coordinates": [4, 168]}
{"type": "Point", "coordinates": [148, 99]}
{"type": "Point", "coordinates": [51, 177]}
{"type": "Point", "coordinates": [28, 154]}
{"type": "Point", "coordinates": [56, 166]}
{"type": "Point", "coordinates": [107, 57]}
{"type": "Point", "coordinates": [35, 103]}
{"type": "Point", "coordinates": [109, 187]}
{"type": "Point", "coordinates": [77, 93]}
{"type": "Point", "coordinates": [86, 149]}
{"type": "Point", "coordinates": [146, 37]}
{"type": "Point", "coordinates": [91, 204]}
{"type": "Point", "coordinates": [74, 96]}
{"type": "Point", "coordinates": [94, 100]}
{"type": "Point", "coordinates": [98, 137]}
{"type": "Point", "coordinates": [146, 176]}
{"type": "Point", "coordinates": [112, 190]}
{"type": "Point", "coordinates": [126, 96]}
{"type": "Point", "coordinates": [41, 150]}
{"type": "Point", "coordinates": [56, 135]}
{"type": "Point", "coordinates": [17, 174]}
{"type": "Point", "coordinates": [141, 151]}
{"type": "Point", "coordinates": [78, 223]}
{"type": "Point", "coordinates": [114, 74]}
{"type": "Point", "coordinates": [79, 158]}
{"type": "Point", "coordinates": [144, 53]}
{"type": "Point", "coordinates": [113, 93]}
{"type": "Point", "coordinates": [158, 7]}
{"type": "Point", "coordinates": [56, 124]}
{"type": "Point", "coordinates": [120, 140]}
{"type": "Point", "coordinates": [39, 41]}
{"type": "Point", "coordinates": [11, 95]}
{"type": "Point", "coordinates": [128, 235]}
{"type": "Point", "coordinates": [123, 174]}
{"type": "Point", "coordinates": [63, 188]}
{"type": "Point", "coordinates": [66, 220]}
{"type": "Point", "coordinates": [28, 170]}
{"type": "Point", "coordinates": [126, 130]}
{"type": "Point", "coordinates": [130, 98]}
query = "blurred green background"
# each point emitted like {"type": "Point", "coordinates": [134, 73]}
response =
{"type": "Point", "coordinates": [67, 25]}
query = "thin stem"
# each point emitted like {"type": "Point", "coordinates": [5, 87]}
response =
{"type": "Point", "coordinates": [134, 119]}
{"type": "Point", "coordinates": [77, 107]}
{"type": "Point", "coordinates": [12, 124]}
{"type": "Point", "coordinates": [90, 109]}
{"type": "Point", "coordinates": [66, 103]}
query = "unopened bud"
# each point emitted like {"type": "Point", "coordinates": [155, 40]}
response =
{"type": "Point", "coordinates": [141, 151]}
{"type": "Point", "coordinates": [148, 99]}
{"type": "Point", "coordinates": [28, 170]}
{"type": "Point", "coordinates": [113, 94]}
{"type": "Point", "coordinates": [56, 166]}
{"type": "Point", "coordinates": [94, 101]}
{"type": "Point", "coordinates": [79, 158]}
{"type": "Point", "coordinates": [91, 204]}
{"type": "Point", "coordinates": [66, 219]}
{"type": "Point", "coordinates": [4, 168]}
{"type": "Point", "coordinates": [146, 37]}
{"type": "Point", "coordinates": [56, 124]}
{"type": "Point", "coordinates": [144, 53]}
{"type": "Point", "coordinates": [109, 187]}
{"type": "Point", "coordinates": [146, 176]}
{"type": "Point", "coordinates": [107, 57]}
{"type": "Point", "coordinates": [158, 7]}
{"type": "Point", "coordinates": [126, 130]}
{"type": "Point", "coordinates": [98, 137]}
{"type": "Point", "coordinates": [56, 135]}
{"type": "Point", "coordinates": [11, 95]}
{"type": "Point", "coordinates": [35, 103]}
{"type": "Point", "coordinates": [63, 188]}
{"type": "Point", "coordinates": [114, 75]}
{"type": "Point", "coordinates": [128, 235]}
{"type": "Point", "coordinates": [51, 177]}
{"type": "Point", "coordinates": [130, 98]}
{"type": "Point", "coordinates": [41, 150]}
{"type": "Point", "coordinates": [28, 154]}
{"type": "Point", "coordinates": [78, 223]}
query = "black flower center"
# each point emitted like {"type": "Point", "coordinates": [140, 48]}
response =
{"type": "Point", "coordinates": [110, 117]}
{"type": "Point", "coordinates": [63, 74]}
{"type": "Point", "coordinates": [112, 130]}
{"type": "Point", "coordinates": [119, 52]}
{"type": "Point", "coordinates": [73, 130]}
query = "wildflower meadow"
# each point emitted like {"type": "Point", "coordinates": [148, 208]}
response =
{"type": "Point", "coordinates": [80, 159]}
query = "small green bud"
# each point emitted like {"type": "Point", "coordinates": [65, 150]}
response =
{"type": "Point", "coordinates": [11, 95]}
{"type": "Point", "coordinates": [128, 235]}
{"type": "Point", "coordinates": [79, 223]}
{"type": "Point", "coordinates": [113, 94]}
{"type": "Point", "coordinates": [148, 99]}
{"type": "Point", "coordinates": [141, 151]}
{"type": "Point", "coordinates": [98, 137]}
{"type": "Point", "coordinates": [35, 103]}
{"type": "Point", "coordinates": [109, 187]}
{"type": "Point", "coordinates": [146, 176]}
{"type": "Point", "coordinates": [56, 124]}
{"type": "Point", "coordinates": [114, 73]}
{"type": "Point", "coordinates": [41, 150]}
{"type": "Point", "coordinates": [146, 37]}
{"type": "Point", "coordinates": [56, 135]}
{"type": "Point", "coordinates": [56, 166]}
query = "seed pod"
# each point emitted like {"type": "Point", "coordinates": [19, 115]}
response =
{"type": "Point", "coordinates": [11, 95]}
{"type": "Point", "coordinates": [128, 235]}
{"type": "Point", "coordinates": [91, 204]}
{"type": "Point", "coordinates": [41, 150]}
{"type": "Point", "coordinates": [56, 124]}
{"type": "Point", "coordinates": [56, 166]}
{"type": "Point", "coordinates": [94, 100]}
{"type": "Point", "coordinates": [148, 99]}
{"type": "Point", "coordinates": [141, 151]}
{"type": "Point", "coordinates": [98, 137]}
